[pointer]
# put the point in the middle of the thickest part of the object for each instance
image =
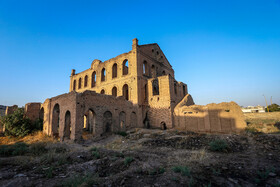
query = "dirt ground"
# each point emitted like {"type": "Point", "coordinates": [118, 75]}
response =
{"type": "Point", "coordinates": [146, 157]}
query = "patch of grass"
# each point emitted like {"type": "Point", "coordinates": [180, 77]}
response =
{"type": "Point", "coordinates": [251, 130]}
{"type": "Point", "coordinates": [156, 171]}
{"type": "Point", "coordinates": [49, 172]}
{"type": "Point", "coordinates": [216, 172]}
{"type": "Point", "coordinates": [263, 175]}
{"type": "Point", "coordinates": [128, 160]}
{"type": "Point", "coordinates": [78, 180]}
{"type": "Point", "coordinates": [14, 150]}
{"type": "Point", "coordinates": [95, 153]}
{"type": "Point", "coordinates": [184, 170]}
{"type": "Point", "coordinates": [219, 146]}
{"type": "Point", "coordinates": [122, 133]}
{"type": "Point", "coordinates": [38, 148]}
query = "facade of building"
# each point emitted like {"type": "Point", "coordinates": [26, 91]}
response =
{"type": "Point", "coordinates": [134, 89]}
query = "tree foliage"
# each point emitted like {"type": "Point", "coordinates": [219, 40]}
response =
{"type": "Point", "coordinates": [273, 108]}
{"type": "Point", "coordinates": [17, 124]}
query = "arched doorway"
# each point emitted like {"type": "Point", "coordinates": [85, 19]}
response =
{"type": "Point", "coordinates": [122, 122]}
{"type": "Point", "coordinates": [55, 120]}
{"type": "Point", "coordinates": [67, 125]}
{"type": "Point", "coordinates": [114, 91]}
{"type": "Point", "coordinates": [91, 121]}
{"type": "Point", "coordinates": [163, 125]}
{"type": "Point", "coordinates": [133, 120]}
{"type": "Point", "coordinates": [107, 121]}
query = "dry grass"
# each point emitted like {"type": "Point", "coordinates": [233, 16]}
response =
{"type": "Point", "coordinates": [263, 122]}
{"type": "Point", "coordinates": [29, 139]}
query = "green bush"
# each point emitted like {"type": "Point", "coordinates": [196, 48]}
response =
{"type": "Point", "coordinates": [122, 133]}
{"type": "Point", "coordinates": [184, 170]}
{"type": "Point", "coordinates": [219, 146]}
{"type": "Point", "coordinates": [14, 150]}
{"type": "Point", "coordinates": [38, 148]}
{"type": "Point", "coordinates": [18, 125]}
{"type": "Point", "coordinates": [128, 160]}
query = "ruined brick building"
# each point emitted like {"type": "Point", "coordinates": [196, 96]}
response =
{"type": "Point", "coordinates": [134, 89]}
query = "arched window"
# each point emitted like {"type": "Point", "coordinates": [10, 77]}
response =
{"type": "Point", "coordinates": [175, 88]}
{"type": "Point", "coordinates": [115, 70]}
{"type": "Point", "coordinates": [163, 72]}
{"type": "Point", "coordinates": [114, 91]}
{"type": "Point", "coordinates": [80, 83]}
{"type": "Point", "coordinates": [145, 68]}
{"type": "Point", "coordinates": [74, 85]}
{"type": "Point", "coordinates": [125, 67]}
{"type": "Point", "coordinates": [102, 91]}
{"type": "Point", "coordinates": [93, 79]}
{"type": "Point", "coordinates": [85, 82]}
{"type": "Point", "coordinates": [125, 92]}
{"type": "Point", "coordinates": [155, 87]}
{"type": "Point", "coordinates": [184, 90]}
{"type": "Point", "coordinates": [103, 74]}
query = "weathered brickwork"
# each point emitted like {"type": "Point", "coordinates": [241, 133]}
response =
{"type": "Point", "coordinates": [134, 89]}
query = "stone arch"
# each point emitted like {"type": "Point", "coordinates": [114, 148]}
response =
{"type": "Point", "coordinates": [114, 91]}
{"type": "Point", "coordinates": [102, 91]}
{"type": "Point", "coordinates": [74, 85]}
{"type": "Point", "coordinates": [155, 87]}
{"type": "Point", "coordinates": [163, 125]}
{"type": "Point", "coordinates": [107, 121]}
{"type": "Point", "coordinates": [115, 70]}
{"type": "Point", "coordinates": [133, 119]}
{"type": "Point", "coordinates": [91, 121]}
{"type": "Point", "coordinates": [86, 81]}
{"type": "Point", "coordinates": [67, 125]}
{"type": "Point", "coordinates": [125, 67]}
{"type": "Point", "coordinates": [122, 121]}
{"type": "Point", "coordinates": [125, 92]}
{"type": "Point", "coordinates": [80, 83]}
{"type": "Point", "coordinates": [93, 79]}
{"type": "Point", "coordinates": [103, 74]}
{"type": "Point", "coordinates": [55, 120]}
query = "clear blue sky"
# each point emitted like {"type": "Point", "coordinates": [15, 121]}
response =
{"type": "Point", "coordinates": [224, 50]}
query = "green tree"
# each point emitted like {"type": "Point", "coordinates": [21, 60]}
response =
{"type": "Point", "coordinates": [17, 124]}
{"type": "Point", "coordinates": [273, 108]}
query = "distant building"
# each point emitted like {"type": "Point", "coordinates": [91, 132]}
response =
{"type": "Point", "coordinates": [253, 109]}
{"type": "Point", "coordinates": [2, 110]}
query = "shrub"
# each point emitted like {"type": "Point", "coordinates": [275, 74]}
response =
{"type": "Point", "coordinates": [219, 146]}
{"type": "Point", "coordinates": [18, 125]}
{"type": "Point", "coordinates": [38, 148]}
{"type": "Point", "coordinates": [252, 130]}
{"type": "Point", "coordinates": [14, 150]}
{"type": "Point", "coordinates": [128, 160]}
{"type": "Point", "coordinates": [155, 171]}
{"type": "Point", "coordinates": [184, 170]}
{"type": "Point", "coordinates": [122, 133]}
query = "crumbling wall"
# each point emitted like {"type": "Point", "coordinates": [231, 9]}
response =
{"type": "Point", "coordinates": [221, 118]}
{"type": "Point", "coordinates": [32, 111]}
{"type": "Point", "coordinates": [89, 111]}
{"type": "Point", "coordinates": [11, 109]}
